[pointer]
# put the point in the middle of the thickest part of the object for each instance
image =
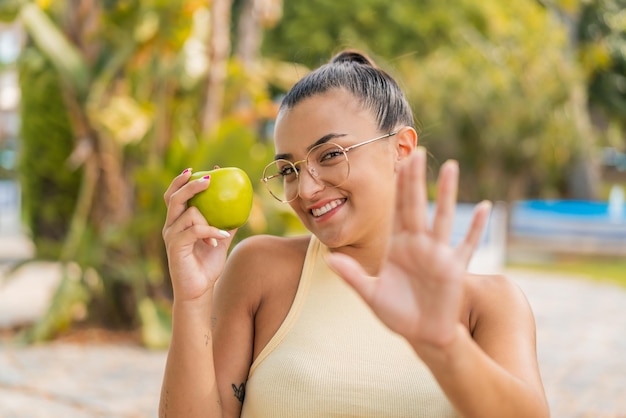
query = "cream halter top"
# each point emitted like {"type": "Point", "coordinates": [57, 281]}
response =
{"type": "Point", "coordinates": [332, 357]}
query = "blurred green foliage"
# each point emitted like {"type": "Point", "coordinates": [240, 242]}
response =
{"type": "Point", "coordinates": [9, 10]}
{"type": "Point", "coordinates": [602, 34]}
{"type": "Point", "coordinates": [49, 187]}
{"type": "Point", "coordinates": [134, 129]}
{"type": "Point", "coordinates": [493, 84]}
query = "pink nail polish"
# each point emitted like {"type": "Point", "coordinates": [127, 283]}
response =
{"type": "Point", "coordinates": [187, 170]}
{"type": "Point", "coordinates": [208, 177]}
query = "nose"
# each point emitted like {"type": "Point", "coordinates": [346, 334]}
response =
{"type": "Point", "coordinates": [309, 184]}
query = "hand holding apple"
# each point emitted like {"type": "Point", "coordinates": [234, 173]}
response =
{"type": "Point", "coordinates": [227, 202]}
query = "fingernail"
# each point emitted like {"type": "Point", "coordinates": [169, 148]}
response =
{"type": "Point", "coordinates": [225, 234]}
{"type": "Point", "coordinates": [187, 170]}
{"type": "Point", "coordinates": [205, 178]}
{"type": "Point", "coordinates": [213, 242]}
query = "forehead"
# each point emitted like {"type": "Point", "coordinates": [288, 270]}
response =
{"type": "Point", "coordinates": [333, 112]}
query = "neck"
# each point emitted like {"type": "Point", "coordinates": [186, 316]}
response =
{"type": "Point", "coordinates": [369, 255]}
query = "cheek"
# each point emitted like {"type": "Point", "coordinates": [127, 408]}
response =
{"type": "Point", "coordinates": [374, 186]}
{"type": "Point", "coordinates": [294, 206]}
{"type": "Point", "coordinates": [381, 169]}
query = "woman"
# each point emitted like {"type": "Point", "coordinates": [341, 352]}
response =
{"type": "Point", "coordinates": [372, 315]}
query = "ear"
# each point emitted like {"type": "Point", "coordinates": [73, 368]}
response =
{"type": "Point", "coordinates": [406, 142]}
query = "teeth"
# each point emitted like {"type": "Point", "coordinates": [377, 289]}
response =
{"type": "Point", "coordinates": [327, 207]}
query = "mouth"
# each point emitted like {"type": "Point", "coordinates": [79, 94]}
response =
{"type": "Point", "coordinates": [323, 210]}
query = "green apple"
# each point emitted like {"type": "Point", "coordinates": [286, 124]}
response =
{"type": "Point", "coordinates": [227, 202]}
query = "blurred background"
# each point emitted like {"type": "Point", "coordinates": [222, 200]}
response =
{"type": "Point", "coordinates": [102, 103]}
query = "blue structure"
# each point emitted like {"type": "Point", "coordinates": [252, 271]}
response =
{"type": "Point", "coordinates": [570, 226]}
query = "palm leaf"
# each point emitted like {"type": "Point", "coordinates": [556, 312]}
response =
{"type": "Point", "coordinates": [58, 49]}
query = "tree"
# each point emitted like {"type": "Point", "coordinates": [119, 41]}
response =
{"type": "Point", "coordinates": [100, 59]}
{"type": "Point", "coordinates": [601, 33]}
{"type": "Point", "coordinates": [131, 81]}
{"type": "Point", "coordinates": [492, 83]}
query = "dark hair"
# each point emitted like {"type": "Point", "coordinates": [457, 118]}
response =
{"type": "Point", "coordinates": [358, 74]}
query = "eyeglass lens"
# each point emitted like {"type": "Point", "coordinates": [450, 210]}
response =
{"type": "Point", "coordinates": [326, 163]}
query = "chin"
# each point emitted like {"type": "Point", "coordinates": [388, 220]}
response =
{"type": "Point", "coordinates": [333, 239]}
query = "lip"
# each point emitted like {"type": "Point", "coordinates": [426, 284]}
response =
{"type": "Point", "coordinates": [325, 209]}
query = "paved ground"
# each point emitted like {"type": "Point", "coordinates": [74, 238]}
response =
{"type": "Point", "coordinates": [79, 381]}
{"type": "Point", "coordinates": [581, 332]}
{"type": "Point", "coordinates": [581, 347]}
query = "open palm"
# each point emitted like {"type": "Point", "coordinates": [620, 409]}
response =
{"type": "Point", "coordinates": [419, 290]}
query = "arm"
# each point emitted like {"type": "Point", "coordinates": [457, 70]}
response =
{"type": "Point", "coordinates": [211, 350]}
{"type": "Point", "coordinates": [189, 385]}
{"type": "Point", "coordinates": [196, 256]}
{"type": "Point", "coordinates": [493, 371]}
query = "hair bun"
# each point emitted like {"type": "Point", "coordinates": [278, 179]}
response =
{"type": "Point", "coordinates": [353, 56]}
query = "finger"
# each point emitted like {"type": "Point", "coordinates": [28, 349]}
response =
{"type": "Point", "coordinates": [188, 219]}
{"type": "Point", "coordinates": [447, 188]}
{"type": "Point", "coordinates": [178, 182]}
{"type": "Point", "coordinates": [192, 217]}
{"type": "Point", "coordinates": [412, 199]}
{"type": "Point", "coordinates": [177, 203]}
{"type": "Point", "coordinates": [479, 220]}
{"type": "Point", "coordinates": [353, 274]}
{"type": "Point", "coordinates": [223, 238]}
{"type": "Point", "coordinates": [176, 241]}
{"type": "Point", "coordinates": [190, 233]}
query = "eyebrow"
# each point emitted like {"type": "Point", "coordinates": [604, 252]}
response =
{"type": "Point", "coordinates": [322, 140]}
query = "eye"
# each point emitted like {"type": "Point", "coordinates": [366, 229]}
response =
{"type": "Point", "coordinates": [330, 155]}
{"type": "Point", "coordinates": [287, 171]}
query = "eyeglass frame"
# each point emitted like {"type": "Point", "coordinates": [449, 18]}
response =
{"type": "Point", "coordinates": [294, 164]}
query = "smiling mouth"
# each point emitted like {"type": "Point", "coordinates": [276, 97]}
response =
{"type": "Point", "coordinates": [327, 207]}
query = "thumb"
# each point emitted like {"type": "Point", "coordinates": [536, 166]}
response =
{"type": "Point", "coordinates": [352, 272]}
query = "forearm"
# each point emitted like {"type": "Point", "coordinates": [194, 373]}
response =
{"type": "Point", "coordinates": [479, 387]}
{"type": "Point", "coordinates": [189, 384]}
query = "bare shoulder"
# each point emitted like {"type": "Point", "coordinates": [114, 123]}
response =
{"type": "Point", "coordinates": [257, 263]}
{"type": "Point", "coordinates": [264, 249]}
{"type": "Point", "coordinates": [262, 254]}
{"type": "Point", "coordinates": [258, 268]}
{"type": "Point", "coordinates": [501, 322]}
{"type": "Point", "coordinates": [488, 297]}
{"type": "Point", "coordinates": [493, 288]}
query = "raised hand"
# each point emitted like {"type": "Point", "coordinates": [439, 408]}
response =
{"type": "Point", "coordinates": [419, 290]}
{"type": "Point", "coordinates": [196, 251]}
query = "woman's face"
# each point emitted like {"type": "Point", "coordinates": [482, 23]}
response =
{"type": "Point", "coordinates": [363, 204]}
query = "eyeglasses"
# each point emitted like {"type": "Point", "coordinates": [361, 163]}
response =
{"type": "Point", "coordinates": [326, 163]}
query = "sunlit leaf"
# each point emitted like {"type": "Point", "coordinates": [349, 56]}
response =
{"type": "Point", "coordinates": [124, 119]}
